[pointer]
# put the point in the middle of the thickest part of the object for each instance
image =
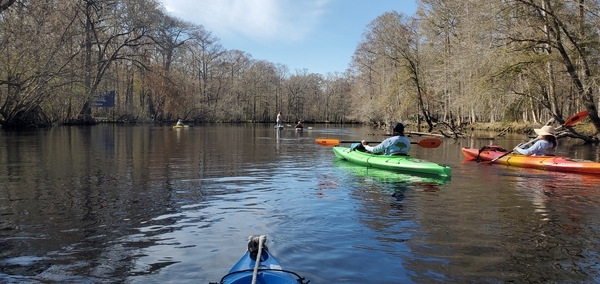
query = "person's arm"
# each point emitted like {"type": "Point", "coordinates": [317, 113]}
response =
{"type": "Point", "coordinates": [531, 150]}
{"type": "Point", "coordinates": [377, 149]}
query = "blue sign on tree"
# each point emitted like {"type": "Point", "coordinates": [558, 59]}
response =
{"type": "Point", "coordinates": [106, 99]}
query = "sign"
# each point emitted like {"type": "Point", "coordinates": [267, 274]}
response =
{"type": "Point", "coordinates": [106, 99]}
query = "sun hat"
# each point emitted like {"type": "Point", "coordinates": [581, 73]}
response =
{"type": "Point", "coordinates": [546, 130]}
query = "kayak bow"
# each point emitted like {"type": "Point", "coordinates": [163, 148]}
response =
{"type": "Point", "coordinates": [267, 270]}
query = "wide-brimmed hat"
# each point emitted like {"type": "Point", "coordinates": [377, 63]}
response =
{"type": "Point", "coordinates": [546, 130]}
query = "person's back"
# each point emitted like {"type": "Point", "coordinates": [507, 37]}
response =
{"type": "Point", "coordinates": [540, 148]}
{"type": "Point", "coordinates": [545, 146]}
{"type": "Point", "coordinates": [396, 145]}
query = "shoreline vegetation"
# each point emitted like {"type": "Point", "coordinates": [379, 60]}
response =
{"type": "Point", "coordinates": [499, 128]}
{"type": "Point", "coordinates": [77, 62]}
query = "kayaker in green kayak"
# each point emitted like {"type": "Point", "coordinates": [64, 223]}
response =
{"type": "Point", "coordinates": [545, 144]}
{"type": "Point", "coordinates": [396, 145]}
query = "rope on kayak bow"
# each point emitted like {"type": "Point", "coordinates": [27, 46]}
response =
{"type": "Point", "coordinates": [256, 244]}
{"type": "Point", "coordinates": [490, 148]}
{"type": "Point", "coordinates": [261, 240]}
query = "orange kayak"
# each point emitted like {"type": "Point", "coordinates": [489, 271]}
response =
{"type": "Point", "coordinates": [549, 163]}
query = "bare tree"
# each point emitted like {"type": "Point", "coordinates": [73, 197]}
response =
{"type": "Point", "coordinates": [111, 30]}
{"type": "Point", "coordinates": [5, 4]}
{"type": "Point", "coordinates": [35, 58]}
{"type": "Point", "coordinates": [394, 42]}
{"type": "Point", "coordinates": [567, 29]}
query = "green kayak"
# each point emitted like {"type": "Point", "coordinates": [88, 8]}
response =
{"type": "Point", "coordinates": [405, 164]}
{"type": "Point", "coordinates": [387, 176]}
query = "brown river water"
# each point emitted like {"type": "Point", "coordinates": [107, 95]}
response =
{"type": "Point", "coordinates": [150, 204]}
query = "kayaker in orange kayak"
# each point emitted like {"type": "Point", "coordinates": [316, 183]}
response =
{"type": "Point", "coordinates": [544, 146]}
{"type": "Point", "coordinates": [397, 145]}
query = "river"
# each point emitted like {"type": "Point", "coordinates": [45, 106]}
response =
{"type": "Point", "coordinates": [118, 203]}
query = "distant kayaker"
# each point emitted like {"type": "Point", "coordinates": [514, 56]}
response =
{"type": "Point", "coordinates": [545, 145]}
{"type": "Point", "coordinates": [396, 145]}
{"type": "Point", "coordinates": [179, 123]}
{"type": "Point", "coordinates": [279, 120]}
{"type": "Point", "coordinates": [299, 125]}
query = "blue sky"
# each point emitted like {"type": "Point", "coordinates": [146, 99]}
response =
{"type": "Point", "coordinates": [317, 35]}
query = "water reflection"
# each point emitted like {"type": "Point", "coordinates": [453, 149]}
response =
{"type": "Point", "coordinates": [147, 204]}
{"type": "Point", "coordinates": [278, 137]}
{"type": "Point", "coordinates": [550, 210]}
{"type": "Point", "coordinates": [386, 176]}
{"type": "Point", "coordinates": [388, 209]}
{"type": "Point", "coordinates": [76, 192]}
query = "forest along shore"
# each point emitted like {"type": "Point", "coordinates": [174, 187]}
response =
{"type": "Point", "coordinates": [500, 129]}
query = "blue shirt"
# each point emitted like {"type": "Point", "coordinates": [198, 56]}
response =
{"type": "Point", "coordinates": [540, 148]}
{"type": "Point", "coordinates": [390, 146]}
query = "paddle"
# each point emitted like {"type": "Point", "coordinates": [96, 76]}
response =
{"type": "Point", "coordinates": [425, 143]}
{"type": "Point", "coordinates": [570, 121]}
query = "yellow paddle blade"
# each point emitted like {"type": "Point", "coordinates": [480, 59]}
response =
{"type": "Point", "coordinates": [327, 142]}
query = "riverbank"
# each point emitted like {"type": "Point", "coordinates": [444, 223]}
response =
{"type": "Point", "coordinates": [586, 128]}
